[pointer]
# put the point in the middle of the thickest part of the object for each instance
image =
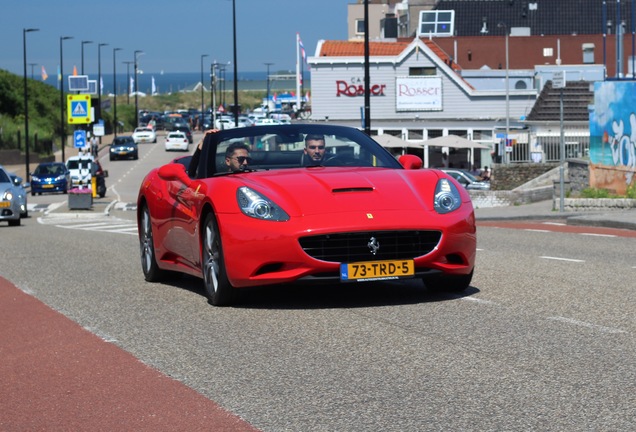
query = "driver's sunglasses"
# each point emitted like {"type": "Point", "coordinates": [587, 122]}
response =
{"type": "Point", "coordinates": [316, 147]}
{"type": "Point", "coordinates": [243, 159]}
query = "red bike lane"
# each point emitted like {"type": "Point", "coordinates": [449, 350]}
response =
{"type": "Point", "coordinates": [58, 376]}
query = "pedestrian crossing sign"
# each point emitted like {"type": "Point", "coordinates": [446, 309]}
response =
{"type": "Point", "coordinates": [78, 109]}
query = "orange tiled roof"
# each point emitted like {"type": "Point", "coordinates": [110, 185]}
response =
{"type": "Point", "coordinates": [377, 49]}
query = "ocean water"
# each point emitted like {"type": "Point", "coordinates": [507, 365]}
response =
{"type": "Point", "coordinates": [174, 82]}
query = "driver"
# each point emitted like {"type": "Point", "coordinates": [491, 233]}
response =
{"type": "Point", "coordinates": [237, 157]}
{"type": "Point", "coordinates": [314, 152]}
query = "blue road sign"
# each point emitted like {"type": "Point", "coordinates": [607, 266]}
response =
{"type": "Point", "coordinates": [79, 138]}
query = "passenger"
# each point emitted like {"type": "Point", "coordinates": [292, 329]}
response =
{"type": "Point", "coordinates": [314, 152]}
{"type": "Point", "coordinates": [237, 157]}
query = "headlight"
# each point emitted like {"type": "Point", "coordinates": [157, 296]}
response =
{"type": "Point", "coordinates": [8, 196]}
{"type": "Point", "coordinates": [255, 205]}
{"type": "Point", "coordinates": [447, 197]}
{"type": "Point", "coordinates": [35, 178]}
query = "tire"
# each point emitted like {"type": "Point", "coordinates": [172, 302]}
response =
{"type": "Point", "coordinates": [14, 222]}
{"type": "Point", "coordinates": [152, 272]}
{"type": "Point", "coordinates": [217, 286]}
{"type": "Point", "coordinates": [32, 193]}
{"type": "Point", "coordinates": [449, 283]}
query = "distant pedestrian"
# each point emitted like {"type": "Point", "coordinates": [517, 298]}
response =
{"type": "Point", "coordinates": [94, 146]}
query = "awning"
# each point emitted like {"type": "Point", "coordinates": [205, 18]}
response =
{"type": "Point", "coordinates": [453, 141]}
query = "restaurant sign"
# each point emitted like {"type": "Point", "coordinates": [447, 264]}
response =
{"type": "Point", "coordinates": [418, 93]}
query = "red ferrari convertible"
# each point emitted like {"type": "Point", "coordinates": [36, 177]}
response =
{"type": "Point", "coordinates": [304, 202]}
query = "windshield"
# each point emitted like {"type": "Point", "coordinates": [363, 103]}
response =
{"type": "Point", "coordinates": [294, 146]}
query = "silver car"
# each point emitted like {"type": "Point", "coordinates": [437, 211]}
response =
{"type": "Point", "coordinates": [10, 198]}
{"type": "Point", "coordinates": [467, 180]}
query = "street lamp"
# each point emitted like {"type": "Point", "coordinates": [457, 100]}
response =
{"type": "Point", "coordinates": [213, 67]}
{"type": "Point", "coordinates": [268, 65]}
{"type": "Point", "coordinates": [136, 91]}
{"type": "Point", "coordinates": [62, 104]}
{"type": "Point", "coordinates": [26, 102]}
{"type": "Point", "coordinates": [503, 152]}
{"type": "Point", "coordinates": [236, 111]}
{"type": "Point", "coordinates": [115, 91]}
{"type": "Point", "coordinates": [128, 89]}
{"type": "Point", "coordinates": [99, 83]}
{"type": "Point", "coordinates": [202, 95]}
{"type": "Point", "coordinates": [84, 43]}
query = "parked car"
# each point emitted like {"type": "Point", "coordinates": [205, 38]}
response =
{"type": "Point", "coordinates": [355, 215]}
{"type": "Point", "coordinates": [50, 177]}
{"type": "Point", "coordinates": [144, 135]}
{"type": "Point", "coordinates": [467, 180]}
{"type": "Point", "coordinates": [177, 141]}
{"type": "Point", "coordinates": [123, 147]}
{"type": "Point", "coordinates": [17, 181]}
{"type": "Point", "coordinates": [82, 168]}
{"type": "Point", "coordinates": [10, 199]}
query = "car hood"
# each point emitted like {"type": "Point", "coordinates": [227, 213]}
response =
{"type": "Point", "coordinates": [323, 190]}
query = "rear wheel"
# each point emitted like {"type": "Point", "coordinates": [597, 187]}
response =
{"type": "Point", "coordinates": [151, 270]}
{"type": "Point", "coordinates": [449, 283]}
{"type": "Point", "coordinates": [217, 286]}
{"type": "Point", "coordinates": [15, 222]}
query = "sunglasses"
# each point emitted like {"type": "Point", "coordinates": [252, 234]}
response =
{"type": "Point", "coordinates": [243, 159]}
{"type": "Point", "coordinates": [322, 147]}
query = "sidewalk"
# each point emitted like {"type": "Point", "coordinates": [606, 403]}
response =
{"type": "Point", "coordinates": [622, 219]}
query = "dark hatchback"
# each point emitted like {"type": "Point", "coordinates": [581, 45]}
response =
{"type": "Point", "coordinates": [186, 130]}
{"type": "Point", "coordinates": [123, 147]}
{"type": "Point", "coordinates": [50, 177]}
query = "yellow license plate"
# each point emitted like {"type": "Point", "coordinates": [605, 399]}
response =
{"type": "Point", "coordinates": [5, 204]}
{"type": "Point", "coordinates": [376, 270]}
{"type": "Point", "coordinates": [47, 186]}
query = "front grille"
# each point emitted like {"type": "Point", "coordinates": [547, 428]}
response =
{"type": "Point", "coordinates": [352, 247]}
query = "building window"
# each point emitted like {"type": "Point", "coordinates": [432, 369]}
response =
{"type": "Point", "coordinates": [359, 27]}
{"type": "Point", "coordinates": [422, 71]}
{"type": "Point", "coordinates": [437, 23]}
{"type": "Point", "coordinates": [588, 53]}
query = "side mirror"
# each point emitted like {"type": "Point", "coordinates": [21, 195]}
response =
{"type": "Point", "coordinates": [410, 161]}
{"type": "Point", "coordinates": [174, 171]}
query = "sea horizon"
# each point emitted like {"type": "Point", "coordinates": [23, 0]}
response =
{"type": "Point", "coordinates": [171, 82]}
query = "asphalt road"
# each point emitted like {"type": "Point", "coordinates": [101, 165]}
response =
{"type": "Point", "coordinates": [543, 339]}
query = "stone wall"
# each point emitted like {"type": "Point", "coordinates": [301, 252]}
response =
{"type": "Point", "coordinates": [511, 176]}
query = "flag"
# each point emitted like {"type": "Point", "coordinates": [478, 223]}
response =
{"type": "Point", "coordinates": [154, 87]}
{"type": "Point", "coordinates": [74, 70]}
{"type": "Point", "coordinates": [132, 85]}
{"type": "Point", "coordinates": [59, 73]}
{"type": "Point", "coordinates": [101, 85]}
{"type": "Point", "coordinates": [302, 50]}
{"type": "Point", "coordinates": [44, 74]}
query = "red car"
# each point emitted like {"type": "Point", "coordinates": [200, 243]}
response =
{"type": "Point", "coordinates": [273, 214]}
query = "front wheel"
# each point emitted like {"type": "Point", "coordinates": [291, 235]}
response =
{"type": "Point", "coordinates": [217, 286]}
{"type": "Point", "coordinates": [151, 270]}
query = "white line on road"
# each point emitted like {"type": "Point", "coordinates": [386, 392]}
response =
{"type": "Point", "coordinates": [476, 300]}
{"type": "Point", "coordinates": [561, 259]}
{"type": "Point", "coordinates": [600, 328]}
{"type": "Point", "coordinates": [598, 235]}
{"type": "Point", "coordinates": [537, 230]}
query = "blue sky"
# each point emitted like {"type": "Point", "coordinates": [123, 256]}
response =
{"type": "Point", "coordinates": [172, 34]}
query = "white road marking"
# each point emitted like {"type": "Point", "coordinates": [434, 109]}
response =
{"type": "Point", "coordinates": [561, 259]}
{"type": "Point", "coordinates": [537, 230]}
{"type": "Point", "coordinates": [554, 223]}
{"type": "Point", "coordinates": [598, 235]}
{"type": "Point", "coordinates": [477, 300]}
{"type": "Point", "coordinates": [600, 328]}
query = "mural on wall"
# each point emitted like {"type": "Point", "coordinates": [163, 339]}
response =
{"type": "Point", "coordinates": [613, 136]}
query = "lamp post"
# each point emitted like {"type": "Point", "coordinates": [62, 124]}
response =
{"type": "Point", "coordinates": [236, 111]}
{"type": "Point", "coordinates": [202, 94]}
{"type": "Point", "coordinates": [99, 83]}
{"type": "Point", "coordinates": [32, 66]}
{"type": "Point", "coordinates": [84, 43]}
{"type": "Point", "coordinates": [62, 104]}
{"type": "Point", "coordinates": [504, 149]}
{"type": "Point", "coordinates": [115, 91]}
{"type": "Point", "coordinates": [128, 89]}
{"type": "Point", "coordinates": [267, 99]}
{"type": "Point", "coordinates": [26, 102]}
{"type": "Point", "coordinates": [367, 78]}
{"type": "Point", "coordinates": [213, 67]}
{"type": "Point", "coordinates": [137, 52]}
